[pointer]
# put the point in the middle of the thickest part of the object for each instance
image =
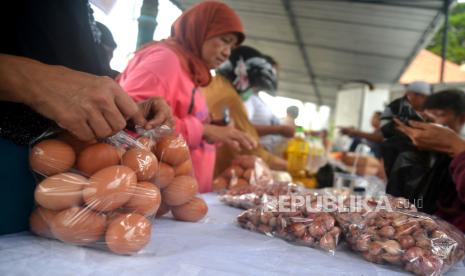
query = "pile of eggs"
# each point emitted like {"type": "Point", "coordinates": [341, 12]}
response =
{"type": "Point", "coordinates": [97, 193]}
{"type": "Point", "coordinates": [244, 170]}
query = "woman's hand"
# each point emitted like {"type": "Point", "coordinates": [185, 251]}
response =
{"type": "Point", "coordinates": [232, 137]}
{"type": "Point", "coordinates": [432, 137]}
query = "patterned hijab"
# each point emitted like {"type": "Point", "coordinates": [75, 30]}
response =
{"type": "Point", "coordinates": [247, 68]}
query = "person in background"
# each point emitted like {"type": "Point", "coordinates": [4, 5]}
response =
{"type": "Point", "coordinates": [292, 112]}
{"type": "Point", "coordinates": [268, 126]}
{"type": "Point", "coordinates": [447, 111]}
{"type": "Point", "coordinates": [225, 92]}
{"type": "Point", "coordinates": [201, 39]}
{"type": "Point", "coordinates": [373, 139]}
{"type": "Point", "coordinates": [323, 135]}
{"type": "Point", "coordinates": [416, 93]}
{"type": "Point", "coordinates": [51, 75]}
{"type": "Point", "coordinates": [447, 108]}
{"type": "Point", "coordinates": [108, 46]}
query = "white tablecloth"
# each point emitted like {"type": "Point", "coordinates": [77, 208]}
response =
{"type": "Point", "coordinates": [215, 246]}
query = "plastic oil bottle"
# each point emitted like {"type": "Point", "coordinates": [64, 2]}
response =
{"type": "Point", "coordinates": [297, 156]}
{"type": "Point", "coordinates": [317, 158]}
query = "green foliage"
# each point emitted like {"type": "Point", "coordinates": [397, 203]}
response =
{"type": "Point", "coordinates": [456, 36]}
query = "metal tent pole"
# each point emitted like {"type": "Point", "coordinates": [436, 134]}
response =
{"type": "Point", "coordinates": [295, 27]}
{"type": "Point", "coordinates": [147, 22]}
{"type": "Point", "coordinates": [444, 38]}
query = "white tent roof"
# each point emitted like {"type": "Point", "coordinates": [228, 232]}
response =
{"type": "Point", "coordinates": [322, 44]}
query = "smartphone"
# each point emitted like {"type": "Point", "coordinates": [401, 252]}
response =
{"type": "Point", "coordinates": [402, 110]}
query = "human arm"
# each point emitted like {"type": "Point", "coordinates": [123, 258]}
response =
{"type": "Point", "coordinates": [156, 111]}
{"type": "Point", "coordinates": [277, 163]}
{"type": "Point", "coordinates": [283, 130]}
{"type": "Point", "coordinates": [146, 79]}
{"type": "Point", "coordinates": [230, 136]}
{"type": "Point", "coordinates": [352, 132]}
{"type": "Point", "coordinates": [432, 137]}
{"type": "Point", "coordinates": [274, 162]}
{"type": "Point", "coordinates": [88, 106]}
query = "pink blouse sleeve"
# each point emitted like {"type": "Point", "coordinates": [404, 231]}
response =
{"type": "Point", "coordinates": [191, 129]}
{"type": "Point", "coordinates": [143, 81]}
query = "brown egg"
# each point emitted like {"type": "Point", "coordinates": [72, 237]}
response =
{"type": "Point", "coordinates": [146, 199]}
{"type": "Point", "coordinates": [185, 168]}
{"type": "Point", "coordinates": [60, 191]}
{"type": "Point", "coordinates": [248, 174]}
{"type": "Point", "coordinates": [192, 211]}
{"type": "Point", "coordinates": [147, 142]}
{"type": "Point", "coordinates": [97, 157]}
{"type": "Point", "coordinates": [51, 156]}
{"type": "Point", "coordinates": [40, 220]}
{"type": "Point", "coordinates": [245, 161]}
{"type": "Point", "coordinates": [141, 161]}
{"type": "Point", "coordinates": [233, 171]}
{"type": "Point", "coordinates": [74, 142]}
{"type": "Point", "coordinates": [110, 188]}
{"type": "Point", "coordinates": [111, 216]}
{"type": "Point", "coordinates": [163, 210]}
{"type": "Point", "coordinates": [172, 150]}
{"type": "Point", "coordinates": [78, 225]}
{"type": "Point", "coordinates": [181, 190]}
{"type": "Point", "coordinates": [128, 234]}
{"type": "Point", "coordinates": [238, 183]}
{"type": "Point", "coordinates": [220, 183]}
{"type": "Point", "coordinates": [121, 151]}
{"type": "Point", "coordinates": [164, 176]}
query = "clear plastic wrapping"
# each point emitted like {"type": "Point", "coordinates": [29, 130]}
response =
{"type": "Point", "coordinates": [354, 209]}
{"type": "Point", "coordinates": [105, 193]}
{"type": "Point", "coordinates": [339, 193]}
{"type": "Point", "coordinates": [245, 170]}
{"type": "Point", "coordinates": [255, 195]}
{"type": "Point", "coordinates": [361, 164]}
{"type": "Point", "coordinates": [300, 225]}
{"type": "Point", "coordinates": [399, 235]}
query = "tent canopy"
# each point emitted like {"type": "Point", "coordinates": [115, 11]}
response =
{"type": "Point", "coordinates": [323, 44]}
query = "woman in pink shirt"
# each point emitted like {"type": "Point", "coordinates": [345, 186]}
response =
{"type": "Point", "coordinates": [201, 39]}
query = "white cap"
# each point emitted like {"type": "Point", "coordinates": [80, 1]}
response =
{"type": "Point", "coordinates": [419, 87]}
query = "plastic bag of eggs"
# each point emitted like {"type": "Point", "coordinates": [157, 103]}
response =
{"type": "Point", "coordinates": [106, 193]}
{"type": "Point", "coordinates": [300, 226]}
{"type": "Point", "coordinates": [245, 170]}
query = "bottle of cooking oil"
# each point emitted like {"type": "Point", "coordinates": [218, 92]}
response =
{"type": "Point", "coordinates": [297, 155]}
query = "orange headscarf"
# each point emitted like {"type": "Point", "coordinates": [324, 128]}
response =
{"type": "Point", "coordinates": [193, 27]}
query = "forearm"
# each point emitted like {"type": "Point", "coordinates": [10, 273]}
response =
{"type": "Point", "coordinates": [15, 73]}
{"type": "Point", "coordinates": [263, 130]}
{"type": "Point", "coordinates": [374, 137]}
{"type": "Point", "coordinates": [273, 161]}
{"type": "Point", "coordinates": [457, 147]}
{"type": "Point", "coordinates": [277, 163]}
